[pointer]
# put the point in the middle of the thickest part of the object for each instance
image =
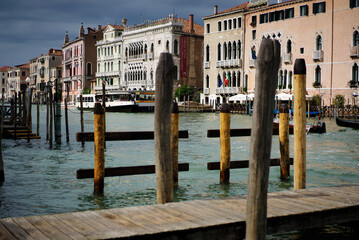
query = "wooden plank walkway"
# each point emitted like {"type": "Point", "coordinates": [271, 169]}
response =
{"type": "Point", "coordinates": [200, 219]}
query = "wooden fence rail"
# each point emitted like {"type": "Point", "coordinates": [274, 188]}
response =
{"type": "Point", "coordinates": [243, 164]}
{"type": "Point", "coordinates": [240, 132]}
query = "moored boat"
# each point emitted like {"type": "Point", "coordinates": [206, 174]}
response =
{"type": "Point", "coordinates": [346, 123]}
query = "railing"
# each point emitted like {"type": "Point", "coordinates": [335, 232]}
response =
{"type": "Point", "coordinates": [107, 74]}
{"type": "Point", "coordinates": [107, 87]}
{"type": "Point", "coordinates": [287, 58]}
{"type": "Point", "coordinates": [252, 63]}
{"type": "Point", "coordinates": [150, 56]}
{"type": "Point", "coordinates": [206, 91]}
{"type": "Point", "coordinates": [206, 65]}
{"type": "Point", "coordinates": [227, 90]}
{"type": "Point", "coordinates": [318, 55]}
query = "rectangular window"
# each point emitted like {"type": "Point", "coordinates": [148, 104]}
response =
{"type": "Point", "coordinates": [230, 24]}
{"type": "Point", "coordinates": [254, 20]}
{"type": "Point", "coordinates": [354, 3]}
{"type": "Point", "coordinates": [279, 15]}
{"type": "Point", "coordinates": [239, 22]}
{"type": "Point", "coordinates": [219, 26]}
{"type": "Point", "coordinates": [234, 23]}
{"type": "Point", "coordinates": [319, 7]}
{"type": "Point", "coordinates": [254, 34]}
{"type": "Point", "coordinates": [289, 13]}
{"type": "Point", "coordinates": [263, 18]}
{"type": "Point", "coordinates": [208, 28]}
{"type": "Point", "coordinates": [271, 16]}
{"type": "Point", "coordinates": [302, 50]}
{"type": "Point", "coordinates": [225, 25]}
{"type": "Point", "coordinates": [304, 10]}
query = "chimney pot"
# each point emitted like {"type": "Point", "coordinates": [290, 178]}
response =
{"type": "Point", "coordinates": [215, 9]}
{"type": "Point", "coordinates": [191, 23]}
{"type": "Point", "coordinates": [124, 22]}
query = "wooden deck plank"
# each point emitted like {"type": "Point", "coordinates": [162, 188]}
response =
{"type": "Point", "coordinates": [57, 223]}
{"type": "Point", "coordinates": [5, 234]}
{"type": "Point", "coordinates": [46, 228]}
{"type": "Point", "coordinates": [15, 229]}
{"type": "Point", "coordinates": [76, 224]}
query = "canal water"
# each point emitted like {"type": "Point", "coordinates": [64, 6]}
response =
{"type": "Point", "coordinates": [40, 180]}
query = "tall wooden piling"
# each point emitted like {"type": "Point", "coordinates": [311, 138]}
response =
{"type": "Point", "coordinates": [15, 116]}
{"type": "Point", "coordinates": [29, 116]}
{"type": "Point", "coordinates": [267, 66]}
{"type": "Point", "coordinates": [51, 118]}
{"type": "Point", "coordinates": [47, 116]}
{"type": "Point", "coordinates": [225, 139]}
{"type": "Point", "coordinates": [67, 122]}
{"type": "Point", "coordinates": [104, 104]}
{"type": "Point", "coordinates": [299, 124]}
{"type": "Point", "coordinates": [99, 141]}
{"type": "Point", "coordinates": [2, 172]}
{"type": "Point", "coordinates": [162, 134]}
{"type": "Point", "coordinates": [38, 117]}
{"type": "Point", "coordinates": [284, 141]}
{"type": "Point", "coordinates": [174, 141]}
{"type": "Point", "coordinates": [82, 116]}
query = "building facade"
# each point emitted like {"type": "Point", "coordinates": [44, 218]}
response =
{"type": "Point", "coordinates": [80, 62]}
{"type": "Point", "coordinates": [4, 85]}
{"type": "Point", "coordinates": [323, 32]}
{"type": "Point", "coordinates": [17, 78]}
{"type": "Point", "coordinates": [109, 59]}
{"type": "Point", "coordinates": [41, 71]}
{"type": "Point", "coordinates": [144, 43]}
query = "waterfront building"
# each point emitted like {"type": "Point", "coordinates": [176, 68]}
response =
{"type": "Point", "coordinates": [323, 32]}
{"type": "Point", "coordinates": [109, 58]}
{"type": "Point", "coordinates": [80, 61]}
{"type": "Point", "coordinates": [144, 43]}
{"type": "Point", "coordinates": [17, 78]}
{"type": "Point", "coordinates": [41, 72]}
{"type": "Point", "coordinates": [4, 80]}
{"type": "Point", "coordinates": [223, 54]}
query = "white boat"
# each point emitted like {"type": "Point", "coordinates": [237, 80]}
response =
{"type": "Point", "coordinates": [115, 101]}
{"type": "Point", "coordinates": [145, 101]}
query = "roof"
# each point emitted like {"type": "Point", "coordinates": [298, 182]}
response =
{"type": "Point", "coordinates": [243, 6]}
{"type": "Point", "coordinates": [118, 27]}
{"type": "Point", "coordinates": [198, 29]}
{"type": "Point", "coordinates": [26, 65]}
{"type": "Point", "coordinates": [4, 68]}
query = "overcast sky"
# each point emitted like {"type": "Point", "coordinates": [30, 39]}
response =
{"type": "Point", "coordinates": [31, 27]}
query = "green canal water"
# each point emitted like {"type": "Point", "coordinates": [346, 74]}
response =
{"type": "Point", "coordinates": [40, 180]}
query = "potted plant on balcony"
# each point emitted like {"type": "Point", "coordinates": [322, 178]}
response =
{"type": "Point", "coordinates": [353, 84]}
{"type": "Point", "coordinates": [317, 84]}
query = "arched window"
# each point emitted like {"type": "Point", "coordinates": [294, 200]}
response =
{"type": "Point", "coordinates": [318, 75]}
{"type": "Point", "coordinates": [285, 80]}
{"type": "Point", "coordinates": [167, 46]}
{"type": "Point", "coordinates": [356, 38]}
{"type": "Point", "coordinates": [239, 79]}
{"type": "Point", "coordinates": [89, 69]}
{"type": "Point", "coordinates": [229, 50]}
{"type": "Point", "coordinates": [219, 82]}
{"type": "Point", "coordinates": [175, 46]}
{"type": "Point", "coordinates": [234, 50]}
{"type": "Point", "coordinates": [290, 80]}
{"type": "Point", "coordinates": [207, 81]}
{"type": "Point", "coordinates": [234, 79]}
{"type": "Point", "coordinates": [280, 82]}
{"type": "Point", "coordinates": [207, 53]}
{"type": "Point", "coordinates": [152, 48]}
{"type": "Point", "coordinates": [219, 27]}
{"type": "Point", "coordinates": [289, 46]}
{"type": "Point", "coordinates": [246, 82]}
{"type": "Point", "coordinates": [145, 48]}
{"type": "Point", "coordinates": [319, 43]}
{"type": "Point", "coordinates": [219, 52]}
{"type": "Point", "coordinates": [98, 68]}
{"type": "Point", "coordinates": [239, 49]}
{"type": "Point", "coordinates": [151, 74]}
{"type": "Point", "coordinates": [355, 73]}
{"type": "Point", "coordinates": [225, 56]}
{"type": "Point", "coordinates": [112, 66]}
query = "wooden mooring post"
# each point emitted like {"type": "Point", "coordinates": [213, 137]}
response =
{"type": "Point", "coordinates": [99, 141]}
{"type": "Point", "coordinates": [174, 141]}
{"type": "Point", "coordinates": [15, 116]}
{"type": "Point", "coordinates": [267, 66]}
{"type": "Point", "coordinates": [67, 122]}
{"type": "Point", "coordinates": [284, 141]}
{"type": "Point", "coordinates": [51, 118]}
{"type": "Point", "coordinates": [104, 105]}
{"type": "Point", "coordinates": [163, 103]}
{"type": "Point", "coordinates": [47, 116]}
{"type": "Point", "coordinates": [2, 172]}
{"type": "Point", "coordinates": [225, 139]}
{"type": "Point", "coordinates": [38, 117]}
{"type": "Point", "coordinates": [82, 117]}
{"type": "Point", "coordinates": [299, 124]}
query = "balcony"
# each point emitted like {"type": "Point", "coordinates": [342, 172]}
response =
{"type": "Point", "coordinates": [218, 64]}
{"type": "Point", "coordinates": [108, 74]}
{"type": "Point", "coordinates": [287, 58]}
{"type": "Point", "coordinates": [206, 91]}
{"type": "Point", "coordinates": [353, 84]}
{"type": "Point", "coordinates": [107, 87]}
{"type": "Point", "coordinates": [150, 56]}
{"type": "Point", "coordinates": [206, 65]}
{"type": "Point", "coordinates": [227, 90]}
{"type": "Point", "coordinates": [318, 55]}
{"type": "Point", "coordinates": [252, 63]}
{"type": "Point", "coordinates": [354, 51]}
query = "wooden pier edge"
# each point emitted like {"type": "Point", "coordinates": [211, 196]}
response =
{"type": "Point", "coordinates": [199, 219]}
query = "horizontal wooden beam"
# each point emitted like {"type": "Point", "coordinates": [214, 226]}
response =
{"type": "Point", "coordinates": [124, 171]}
{"type": "Point", "coordinates": [242, 164]}
{"type": "Point", "coordinates": [240, 132]}
{"type": "Point", "coordinates": [123, 136]}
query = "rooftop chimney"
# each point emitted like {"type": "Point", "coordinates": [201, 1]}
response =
{"type": "Point", "coordinates": [191, 23]}
{"type": "Point", "coordinates": [66, 38]}
{"type": "Point", "coordinates": [215, 9]}
{"type": "Point", "coordinates": [99, 27]}
{"type": "Point", "coordinates": [124, 21]}
{"type": "Point", "coordinates": [82, 30]}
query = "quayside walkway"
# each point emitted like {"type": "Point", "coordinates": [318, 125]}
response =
{"type": "Point", "coordinates": [200, 219]}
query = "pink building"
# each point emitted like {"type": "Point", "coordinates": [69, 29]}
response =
{"type": "Point", "coordinates": [79, 62]}
{"type": "Point", "coordinates": [324, 33]}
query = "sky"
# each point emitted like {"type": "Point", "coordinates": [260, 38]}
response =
{"type": "Point", "coordinates": [31, 27]}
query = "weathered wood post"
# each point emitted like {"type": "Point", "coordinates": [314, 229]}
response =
{"type": "Point", "coordinates": [29, 115]}
{"type": "Point", "coordinates": [225, 139]}
{"type": "Point", "coordinates": [15, 115]}
{"type": "Point", "coordinates": [174, 141]}
{"type": "Point", "coordinates": [99, 140]}
{"type": "Point", "coordinates": [162, 134]}
{"type": "Point", "coordinates": [47, 115]}
{"type": "Point", "coordinates": [2, 172]}
{"type": "Point", "coordinates": [57, 113]}
{"type": "Point", "coordinates": [267, 66]}
{"type": "Point", "coordinates": [82, 117]}
{"type": "Point", "coordinates": [284, 141]}
{"type": "Point", "coordinates": [38, 117]}
{"type": "Point", "coordinates": [299, 124]}
{"type": "Point", "coordinates": [51, 118]}
{"type": "Point", "coordinates": [66, 121]}
{"type": "Point", "coordinates": [104, 105]}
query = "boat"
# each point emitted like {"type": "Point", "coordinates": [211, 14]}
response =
{"type": "Point", "coordinates": [309, 128]}
{"type": "Point", "coordinates": [346, 123]}
{"type": "Point", "coordinates": [115, 101]}
{"type": "Point", "coordinates": [144, 101]}
{"type": "Point", "coordinates": [191, 106]}
{"type": "Point", "coordinates": [69, 105]}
